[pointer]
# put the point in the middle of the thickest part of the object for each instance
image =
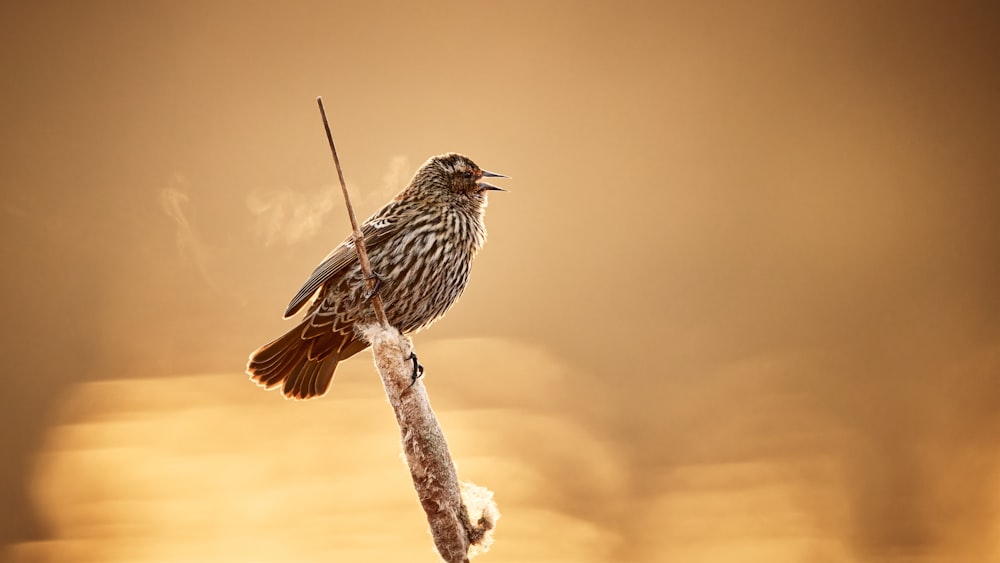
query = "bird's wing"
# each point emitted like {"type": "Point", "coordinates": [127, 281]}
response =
{"type": "Point", "coordinates": [376, 230]}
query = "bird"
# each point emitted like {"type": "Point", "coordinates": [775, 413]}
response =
{"type": "Point", "coordinates": [420, 245]}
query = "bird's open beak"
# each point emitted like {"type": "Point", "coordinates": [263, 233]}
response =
{"type": "Point", "coordinates": [483, 186]}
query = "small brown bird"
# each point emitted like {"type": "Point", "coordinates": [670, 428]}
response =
{"type": "Point", "coordinates": [420, 245]}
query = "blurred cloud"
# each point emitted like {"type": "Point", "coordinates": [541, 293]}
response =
{"type": "Point", "coordinates": [397, 175]}
{"type": "Point", "coordinates": [749, 512]}
{"type": "Point", "coordinates": [286, 216]}
{"type": "Point", "coordinates": [290, 217]}
{"type": "Point", "coordinates": [209, 468]}
{"type": "Point", "coordinates": [191, 468]}
{"type": "Point", "coordinates": [173, 200]}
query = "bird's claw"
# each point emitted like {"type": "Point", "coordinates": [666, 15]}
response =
{"type": "Point", "coordinates": [418, 370]}
{"type": "Point", "coordinates": [373, 290]}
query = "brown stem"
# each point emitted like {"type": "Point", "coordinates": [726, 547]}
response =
{"type": "Point", "coordinates": [359, 239]}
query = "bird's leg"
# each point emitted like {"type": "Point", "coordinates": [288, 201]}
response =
{"type": "Point", "coordinates": [373, 291]}
{"type": "Point", "coordinates": [418, 370]}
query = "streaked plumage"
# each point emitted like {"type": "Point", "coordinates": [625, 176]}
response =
{"type": "Point", "coordinates": [421, 245]}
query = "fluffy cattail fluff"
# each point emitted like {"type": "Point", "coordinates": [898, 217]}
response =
{"type": "Point", "coordinates": [420, 245]}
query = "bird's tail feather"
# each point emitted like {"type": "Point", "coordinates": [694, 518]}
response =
{"type": "Point", "coordinates": [302, 362]}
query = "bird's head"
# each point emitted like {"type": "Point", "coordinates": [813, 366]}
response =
{"type": "Point", "coordinates": [454, 175]}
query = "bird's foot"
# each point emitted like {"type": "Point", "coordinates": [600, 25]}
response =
{"type": "Point", "coordinates": [372, 291]}
{"type": "Point", "coordinates": [418, 370]}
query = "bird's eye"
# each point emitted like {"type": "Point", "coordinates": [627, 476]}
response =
{"type": "Point", "coordinates": [467, 174]}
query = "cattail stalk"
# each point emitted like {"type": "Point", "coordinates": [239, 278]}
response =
{"type": "Point", "coordinates": [461, 515]}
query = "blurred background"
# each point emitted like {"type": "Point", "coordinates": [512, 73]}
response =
{"type": "Point", "coordinates": [740, 303]}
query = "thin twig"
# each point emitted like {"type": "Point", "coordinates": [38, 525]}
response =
{"type": "Point", "coordinates": [359, 238]}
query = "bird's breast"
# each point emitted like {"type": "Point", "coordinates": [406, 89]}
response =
{"type": "Point", "coordinates": [425, 269]}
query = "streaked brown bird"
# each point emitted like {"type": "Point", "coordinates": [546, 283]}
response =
{"type": "Point", "coordinates": [420, 245]}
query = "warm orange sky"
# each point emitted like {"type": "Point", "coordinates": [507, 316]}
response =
{"type": "Point", "coordinates": [740, 303]}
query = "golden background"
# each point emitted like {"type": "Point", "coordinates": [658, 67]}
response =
{"type": "Point", "coordinates": [741, 303]}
